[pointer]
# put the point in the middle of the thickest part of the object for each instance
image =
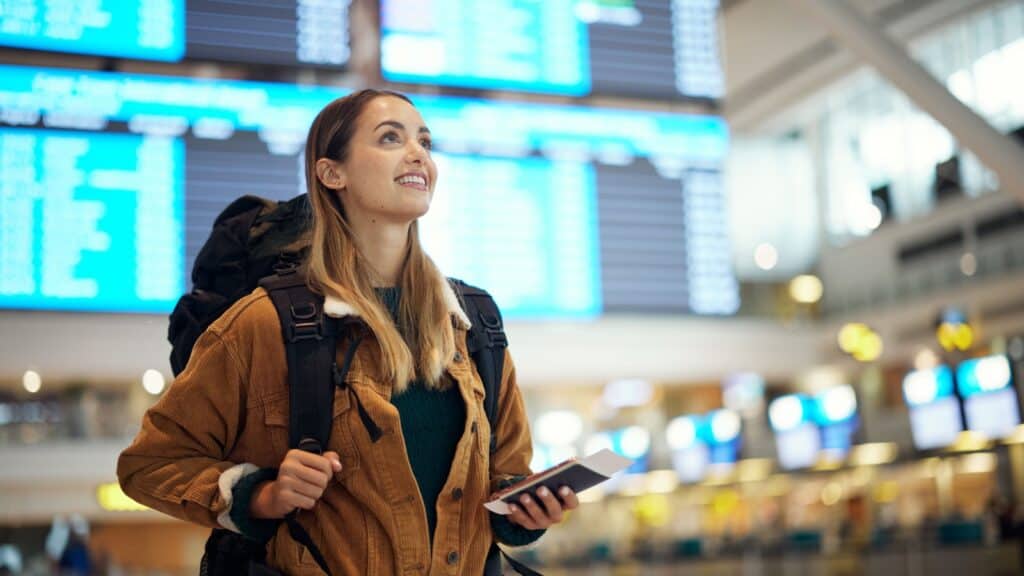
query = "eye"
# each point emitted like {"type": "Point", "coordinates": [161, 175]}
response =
{"type": "Point", "coordinates": [390, 137]}
{"type": "Point", "coordinates": [427, 143]}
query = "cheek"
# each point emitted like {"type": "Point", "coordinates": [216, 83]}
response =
{"type": "Point", "coordinates": [432, 170]}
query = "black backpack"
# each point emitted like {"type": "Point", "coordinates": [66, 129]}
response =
{"type": "Point", "coordinates": [255, 241]}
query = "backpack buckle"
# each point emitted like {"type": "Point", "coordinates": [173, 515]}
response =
{"type": "Point", "coordinates": [492, 327]}
{"type": "Point", "coordinates": [496, 337]}
{"type": "Point", "coordinates": [306, 323]}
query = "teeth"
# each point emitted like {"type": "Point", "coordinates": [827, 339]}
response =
{"type": "Point", "coordinates": [413, 180]}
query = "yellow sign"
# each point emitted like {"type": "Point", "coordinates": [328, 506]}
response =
{"type": "Point", "coordinates": [860, 341]}
{"type": "Point", "coordinates": [954, 336]}
{"type": "Point", "coordinates": [110, 497]}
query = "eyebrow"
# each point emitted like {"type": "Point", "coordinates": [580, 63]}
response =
{"type": "Point", "coordinates": [400, 126]}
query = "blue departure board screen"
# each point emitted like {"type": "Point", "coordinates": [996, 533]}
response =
{"type": "Point", "coordinates": [90, 221]}
{"type": "Point", "coordinates": [535, 222]}
{"type": "Point", "coordinates": [147, 29]}
{"type": "Point", "coordinates": [527, 45]}
{"type": "Point", "coordinates": [560, 211]}
{"type": "Point", "coordinates": [286, 32]}
{"type": "Point", "coordinates": [645, 48]}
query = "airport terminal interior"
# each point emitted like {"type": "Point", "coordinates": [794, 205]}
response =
{"type": "Point", "coordinates": [770, 251]}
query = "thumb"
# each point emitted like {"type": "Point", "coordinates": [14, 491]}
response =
{"type": "Point", "coordinates": [334, 459]}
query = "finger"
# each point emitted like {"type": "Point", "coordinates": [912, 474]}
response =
{"type": "Point", "coordinates": [302, 473]}
{"type": "Point", "coordinates": [310, 460]}
{"type": "Point", "coordinates": [569, 499]}
{"type": "Point", "coordinates": [519, 516]}
{"type": "Point", "coordinates": [293, 501]}
{"type": "Point", "coordinates": [552, 507]}
{"type": "Point", "coordinates": [304, 502]}
{"type": "Point", "coordinates": [334, 459]}
{"type": "Point", "coordinates": [304, 488]}
{"type": "Point", "coordinates": [536, 514]}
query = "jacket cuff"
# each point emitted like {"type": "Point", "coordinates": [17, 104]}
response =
{"type": "Point", "coordinates": [508, 532]}
{"type": "Point", "coordinates": [512, 534]}
{"type": "Point", "coordinates": [236, 489]}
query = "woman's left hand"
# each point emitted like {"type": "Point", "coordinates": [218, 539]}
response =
{"type": "Point", "coordinates": [550, 509]}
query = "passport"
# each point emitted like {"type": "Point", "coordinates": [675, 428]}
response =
{"type": "Point", "coordinates": [576, 473]}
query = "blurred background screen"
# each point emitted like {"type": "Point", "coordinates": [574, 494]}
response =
{"type": "Point", "coordinates": [279, 32]}
{"type": "Point", "coordinates": [652, 48]}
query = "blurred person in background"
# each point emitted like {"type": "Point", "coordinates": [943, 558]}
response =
{"type": "Point", "coordinates": [67, 545]}
{"type": "Point", "coordinates": [10, 560]}
{"type": "Point", "coordinates": [214, 449]}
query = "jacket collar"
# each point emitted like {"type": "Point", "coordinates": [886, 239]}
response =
{"type": "Point", "coordinates": [338, 308]}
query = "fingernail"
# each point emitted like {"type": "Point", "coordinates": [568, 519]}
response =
{"type": "Point", "coordinates": [525, 499]}
{"type": "Point", "coordinates": [564, 491]}
{"type": "Point", "coordinates": [336, 464]}
{"type": "Point", "coordinates": [543, 491]}
{"type": "Point", "coordinates": [513, 508]}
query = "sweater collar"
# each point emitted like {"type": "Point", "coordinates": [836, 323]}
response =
{"type": "Point", "coordinates": [338, 308]}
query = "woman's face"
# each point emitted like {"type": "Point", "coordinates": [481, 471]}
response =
{"type": "Point", "coordinates": [388, 175]}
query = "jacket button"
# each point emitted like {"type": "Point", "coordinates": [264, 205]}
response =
{"type": "Point", "coordinates": [457, 494]}
{"type": "Point", "coordinates": [453, 557]}
{"type": "Point", "coordinates": [458, 356]}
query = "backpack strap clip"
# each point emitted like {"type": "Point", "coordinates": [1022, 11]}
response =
{"type": "Point", "coordinates": [306, 324]}
{"type": "Point", "coordinates": [494, 331]}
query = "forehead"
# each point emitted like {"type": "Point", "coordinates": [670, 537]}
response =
{"type": "Point", "coordinates": [384, 108]}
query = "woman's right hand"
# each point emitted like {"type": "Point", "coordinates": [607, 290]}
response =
{"type": "Point", "coordinates": [301, 480]}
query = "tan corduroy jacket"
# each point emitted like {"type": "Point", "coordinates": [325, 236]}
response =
{"type": "Point", "coordinates": [226, 416]}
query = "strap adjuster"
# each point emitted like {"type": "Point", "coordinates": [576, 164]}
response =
{"type": "Point", "coordinates": [299, 331]}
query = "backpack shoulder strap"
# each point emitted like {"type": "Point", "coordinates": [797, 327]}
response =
{"type": "Point", "coordinates": [310, 340]}
{"type": "Point", "coordinates": [486, 342]}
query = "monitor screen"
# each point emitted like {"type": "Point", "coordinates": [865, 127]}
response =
{"type": "Point", "coordinates": [935, 419]}
{"type": "Point", "coordinates": [798, 447]}
{"type": "Point", "coordinates": [287, 33]}
{"type": "Point", "coordinates": [793, 418]}
{"type": "Point", "coordinates": [937, 424]}
{"type": "Point", "coordinates": [564, 198]}
{"type": "Point", "coordinates": [642, 48]}
{"type": "Point", "coordinates": [835, 412]}
{"type": "Point", "coordinates": [144, 29]}
{"type": "Point", "coordinates": [990, 398]}
{"type": "Point", "coordinates": [692, 463]}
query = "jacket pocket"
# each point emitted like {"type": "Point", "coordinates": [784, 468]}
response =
{"type": "Point", "coordinates": [276, 419]}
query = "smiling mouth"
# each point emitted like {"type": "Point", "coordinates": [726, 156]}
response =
{"type": "Point", "coordinates": [412, 181]}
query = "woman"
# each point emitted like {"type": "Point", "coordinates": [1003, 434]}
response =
{"type": "Point", "coordinates": [214, 449]}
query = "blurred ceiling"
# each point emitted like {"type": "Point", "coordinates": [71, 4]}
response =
{"type": "Point", "coordinates": [775, 55]}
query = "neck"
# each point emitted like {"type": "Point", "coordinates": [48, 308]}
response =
{"type": "Point", "coordinates": [384, 246]}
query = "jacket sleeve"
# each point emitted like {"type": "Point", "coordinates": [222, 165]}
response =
{"type": "Point", "coordinates": [510, 461]}
{"type": "Point", "coordinates": [514, 447]}
{"type": "Point", "coordinates": [177, 463]}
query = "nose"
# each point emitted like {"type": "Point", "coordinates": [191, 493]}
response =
{"type": "Point", "coordinates": [416, 153]}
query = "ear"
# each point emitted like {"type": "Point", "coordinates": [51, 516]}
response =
{"type": "Point", "coordinates": [330, 173]}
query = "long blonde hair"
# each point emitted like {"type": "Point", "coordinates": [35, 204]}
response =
{"type": "Point", "coordinates": [422, 343]}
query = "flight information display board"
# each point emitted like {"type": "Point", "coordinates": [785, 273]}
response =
{"type": "Point", "coordinates": [560, 211]}
{"type": "Point", "coordinates": [145, 29]}
{"type": "Point", "coordinates": [644, 48]}
{"type": "Point", "coordinates": [90, 221]}
{"type": "Point", "coordinates": [289, 33]}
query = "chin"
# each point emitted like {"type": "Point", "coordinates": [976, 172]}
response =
{"type": "Point", "coordinates": [412, 213]}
